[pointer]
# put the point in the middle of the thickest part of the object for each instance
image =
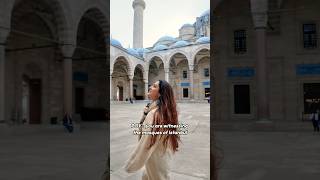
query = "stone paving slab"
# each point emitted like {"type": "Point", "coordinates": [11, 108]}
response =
{"type": "Point", "coordinates": [53, 155]}
{"type": "Point", "coordinates": [269, 155]}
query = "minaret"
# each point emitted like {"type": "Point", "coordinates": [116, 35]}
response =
{"type": "Point", "coordinates": [138, 6]}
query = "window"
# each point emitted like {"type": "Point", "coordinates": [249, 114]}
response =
{"type": "Point", "coordinates": [206, 92]}
{"type": "Point", "coordinates": [184, 74]}
{"type": "Point", "coordinates": [185, 92]}
{"type": "Point", "coordinates": [311, 93]}
{"type": "Point", "coordinates": [240, 45]}
{"type": "Point", "coordinates": [309, 36]}
{"type": "Point", "coordinates": [241, 99]}
{"type": "Point", "coordinates": [206, 72]}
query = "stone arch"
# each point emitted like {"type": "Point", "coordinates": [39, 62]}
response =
{"type": "Point", "coordinates": [201, 76]}
{"type": "Point", "coordinates": [157, 56]}
{"type": "Point", "coordinates": [57, 9]}
{"type": "Point", "coordinates": [156, 68]}
{"type": "Point", "coordinates": [95, 14]}
{"type": "Point", "coordinates": [121, 72]}
{"type": "Point", "coordinates": [179, 74]}
{"type": "Point", "coordinates": [177, 52]}
{"type": "Point", "coordinates": [138, 82]}
{"type": "Point", "coordinates": [139, 65]}
{"type": "Point", "coordinates": [201, 48]}
{"type": "Point", "coordinates": [37, 29]}
{"type": "Point", "coordinates": [126, 57]}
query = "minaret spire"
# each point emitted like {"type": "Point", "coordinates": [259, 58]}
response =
{"type": "Point", "coordinates": [138, 6]}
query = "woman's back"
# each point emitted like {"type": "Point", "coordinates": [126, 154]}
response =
{"type": "Point", "coordinates": [155, 158]}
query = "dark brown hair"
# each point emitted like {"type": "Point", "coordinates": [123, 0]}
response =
{"type": "Point", "coordinates": [166, 114]}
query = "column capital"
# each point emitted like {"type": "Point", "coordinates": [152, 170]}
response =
{"type": "Point", "coordinates": [259, 12]}
{"type": "Point", "coordinates": [191, 67]}
{"type": "Point", "coordinates": [145, 81]}
{"type": "Point", "coordinates": [166, 70]}
{"type": "Point", "coordinates": [68, 50]}
{"type": "Point", "coordinates": [260, 20]}
{"type": "Point", "coordinates": [130, 77]}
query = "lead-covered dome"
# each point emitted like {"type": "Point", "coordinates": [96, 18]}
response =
{"type": "Point", "coordinates": [203, 40]}
{"type": "Point", "coordinates": [187, 25]}
{"type": "Point", "coordinates": [180, 44]}
{"type": "Point", "coordinates": [165, 40]}
{"type": "Point", "coordinates": [160, 47]}
{"type": "Point", "coordinates": [132, 52]}
{"type": "Point", "coordinates": [115, 42]}
{"type": "Point", "coordinates": [142, 51]}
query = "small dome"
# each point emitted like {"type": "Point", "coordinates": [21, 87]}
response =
{"type": "Point", "coordinates": [133, 52]}
{"type": "Point", "coordinates": [186, 25]}
{"type": "Point", "coordinates": [166, 38]}
{"type": "Point", "coordinates": [203, 40]}
{"type": "Point", "coordinates": [205, 13]}
{"type": "Point", "coordinates": [141, 51]}
{"type": "Point", "coordinates": [180, 44]}
{"type": "Point", "coordinates": [115, 42]}
{"type": "Point", "coordinates": [160, 47]}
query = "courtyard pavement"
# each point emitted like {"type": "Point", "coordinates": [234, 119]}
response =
{"type": "Point", "coordinates": [48, 152]}
{"type": "Point", "coordinates": [268, 155]}
{"type": "Point", "coordinates": [191, 162]}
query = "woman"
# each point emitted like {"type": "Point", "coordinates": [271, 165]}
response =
{"type": "Point", "coordinates": [155, 151]}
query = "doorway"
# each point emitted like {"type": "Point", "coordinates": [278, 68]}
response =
{"type": "Point", "coordinates": [35, 101]}
{"type": "Point", "coordinates": [120, 93]}
{"type": "Point", "coordinates": [79, 99]}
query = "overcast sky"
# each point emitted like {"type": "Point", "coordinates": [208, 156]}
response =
{"type": "Point", "coordinates": [161, 17]}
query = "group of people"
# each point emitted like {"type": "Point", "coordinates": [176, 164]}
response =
{"type": "Point", "coordinates": [315, 120]}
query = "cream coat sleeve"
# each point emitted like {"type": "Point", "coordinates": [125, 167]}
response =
{"type": "Point", "coordinates": [142, 153]}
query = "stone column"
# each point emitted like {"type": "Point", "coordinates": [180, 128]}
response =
{"type": "Point", "coordinates": [138, 6]}
{"type": "Point", "coordinates": [131, 86]}
{"type": "Point", "coordinates": [166, 74]}
{"type": "Point", "coordinates": [111, 96]}
{"type": "Point", "coordinates": [2, 81]}
{"type": "Point", "coordinates": [191, 67]}
{"type": "Point", "coordinates": [68, 75]}
{"type": "Point", "coordinates": [259, 13]}
{"type": "Point", "coordinates": [146, 89]}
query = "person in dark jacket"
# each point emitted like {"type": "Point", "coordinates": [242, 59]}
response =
{"type": "Point", "coordinates": [67, 122]}
{"type": "Point", "coordinates": [315, 120]}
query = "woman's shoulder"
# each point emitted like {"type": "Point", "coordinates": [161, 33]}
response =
{"type": "Point", "coordinates": [150, 115]}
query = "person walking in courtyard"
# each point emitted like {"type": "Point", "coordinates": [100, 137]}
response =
{"type": "Point", "coordinates": [315, 120]}
{"type": "Point", "coordinates": [67, 122]}
{"type": "Point", "coordinates": [153, 152]}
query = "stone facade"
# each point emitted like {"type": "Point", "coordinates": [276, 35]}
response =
{"type": "Point", "coordinates": [182, 61]}
{"type": "Point", "coordinates": [279, 64]}
{"type": "Point", "coordinates": [48, 50]}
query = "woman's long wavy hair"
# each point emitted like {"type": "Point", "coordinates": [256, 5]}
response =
{"type": "Point", "coordinates": [166, 114]}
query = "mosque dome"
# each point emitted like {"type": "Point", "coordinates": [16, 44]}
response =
{"type": "Point", "coordinates": [186, 26]}
{"type": "Point", "coordinates": [115, 42]}
{"type": "Point", "coordinates": [203, 40]}
{"type": "Point", "coordinates": [186, 32]}
{"type": "Point", "coordinates": [180, 44]}
{"type": "Point", "coordinates": [160, 47]}
{"type": "Point", "coordinates": [165, 40]}
{"type": "Point", "coordinates": [132, 52]}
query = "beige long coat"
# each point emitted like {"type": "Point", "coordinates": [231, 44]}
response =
{"type": "Point", "coordinates": [155, 159]}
